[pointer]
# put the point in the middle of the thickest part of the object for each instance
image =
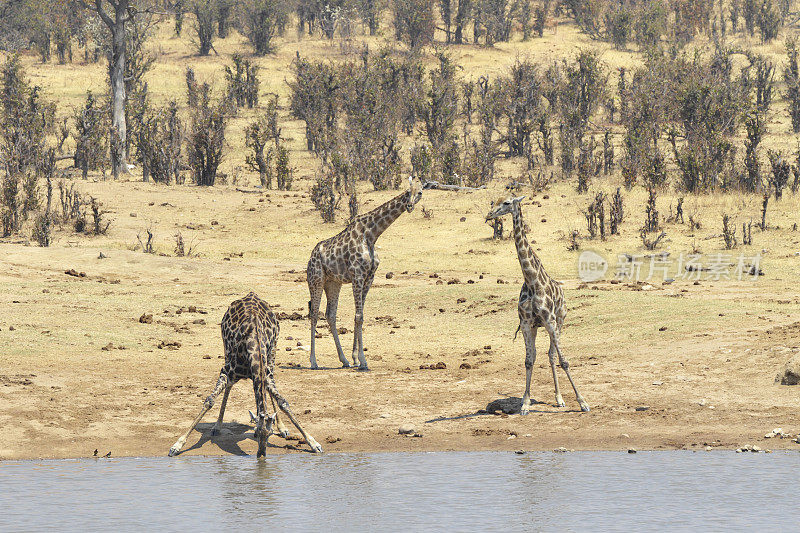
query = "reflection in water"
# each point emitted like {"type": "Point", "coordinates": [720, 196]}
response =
{"type": "Point", "coordinates": [409, 491]}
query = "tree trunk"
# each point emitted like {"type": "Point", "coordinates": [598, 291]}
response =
{"type": "Point", "coordinates": [118, 97]}
{"type": "Point", "coordinates": [462, 14]}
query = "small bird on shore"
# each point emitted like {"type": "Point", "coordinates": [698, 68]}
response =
{"type": "Point", "coordinates": [95, 452]}
{"type": "Point", "coordinates": [108, 455]}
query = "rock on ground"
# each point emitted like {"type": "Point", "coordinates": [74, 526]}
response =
{"type": "Point", "coordinates": [790, 375]}
{"type": "Point", "coordinates": [508, 406]}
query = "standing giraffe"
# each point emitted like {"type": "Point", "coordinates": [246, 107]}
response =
{"type": "Point", "coordinates": [350, 257]}
{"type": "Point", "coordinates": [249, 333]}
{"type": "Point", "coordinates": [541, 303]}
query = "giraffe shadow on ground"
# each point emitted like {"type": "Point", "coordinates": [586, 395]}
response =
{"type": "Point", "coordinates": [229, 443]}
{"type": "Point", "coordinates": [508, 405]}
{"type": "Point", "coordinates": [300, 367]}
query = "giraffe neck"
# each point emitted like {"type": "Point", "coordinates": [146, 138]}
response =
{"type": "Point", "coordinates": [531, 266]}
{"type": "Point", "coordinates": [376, 221]}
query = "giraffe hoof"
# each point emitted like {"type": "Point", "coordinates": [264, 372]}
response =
{"type": "Point", "coordinates": [560, 402]}
{"type": "Point", "coordinates": [364, 368]}
{"type": "Point", "coordinates": [524, 410]}
{"type": "Point", "coordinates": [585, 408]}
{"type": "Point", "coordinates": [345, 365]}
{"type": "Point", "coordinates": [174, 451]}
{"type": "Point", "coordinates": [214, 431]}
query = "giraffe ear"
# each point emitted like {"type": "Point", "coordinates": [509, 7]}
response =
{"type": "Point", "coordinates": [519, 199]}
{"type": "Point", "coordinates": [410, 182]}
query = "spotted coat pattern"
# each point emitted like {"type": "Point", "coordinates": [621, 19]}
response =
{"type": "Point", "coordinates": [249, 336]}
{"type": "Point", "coordinates": [541, 304]}
{"type": "Point", "coordinates": [350, 257]}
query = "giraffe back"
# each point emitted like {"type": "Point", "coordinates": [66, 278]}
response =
{"type": "Point", "coordinates": [249, 334]}
{"type": "Point", "coordinates": [342, 257]}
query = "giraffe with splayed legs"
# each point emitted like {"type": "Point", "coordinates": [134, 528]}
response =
{"type": "Point", "coordinates": [350, 257]}
{"type": "Point", "coordinates": [249, 333]}
{"type": "Point", "coordinates": [541, 304]}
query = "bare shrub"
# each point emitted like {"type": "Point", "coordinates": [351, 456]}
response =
{"type": "Point", "coordinates": [315, 100]}
{"type": "Point", "coordinates": [243, 82]}
{"type": "Point", "coordinates": [146, 245]}
{"type": "Point", "coordinates": [258, 135]}
{"type": "Point", "coordinates": [580, 94]}
{"type": "Point", "coordinates": [422, 163]}
{"type": "Point", "coordinates": [440, 108]}
{"type": "Point", "coordinates": [324, 197]}
{"type": "Point", "coordinates": [25, 121]}
{"type": "Point", "coordinates": [159, 142]}
{"type": "Point", "coordinates": [524, 94]}
{"type": "Point", "coordinates": [99, 224]}
{"type": "Point", "coordinates": [728, 232]}
{"type": "Point", "coordinates": [43, 225]}
{"type": "Point", "coordinates": [779, 176]}
{"type": "Point", "coordinates": [791, 77]}
{"type": "Point", "coordinates": [414, 22]}
{"type": "Point", "coordinates": [205, 16]}
{"type": "Point", "coordinates": [70, 201]}
{"type": "Point", "coordinates": [648, 243]}
{"type": "Point", "coordinates": [284, 172]}
{"type": "Point", "coordinates": [574, 243]}
{"type": "Point", "coordinates": [206, 138]}
{"type": "Point", "coordinates": [651, 222]}
{"type": "Point", "coordinates": [769, 21]}
{"type": "Point", "coordinates": [182, 248]}
{"type": "Point", "coordinates": [616, 213]}
{"type": "Point", "coordinates": [747, 233]}
{"type": "Point", "coordinates": [260, 21]}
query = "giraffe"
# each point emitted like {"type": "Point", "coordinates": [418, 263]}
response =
{"type": "Point", "coordinates": [249, 333]}
{"type": "Point", "coordinates": [541, 303]}
{"type": "Point", "coordinates": [350, 257]}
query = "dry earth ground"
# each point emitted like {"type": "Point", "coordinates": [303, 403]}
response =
{"type": "Point", "coordinates": [80, 371]}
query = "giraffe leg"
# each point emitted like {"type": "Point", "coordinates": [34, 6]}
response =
{"type": "Point", "coordinates": [282, 431]}
{"type": "Point", "coordinates": [556, 346]}
{"type": "Point", "coordinates": [222, 383]}
{"type": "Point", "coordinates": [529, 335]}
{"type": "Point", "coordinates": [359, 295]}
{"type": "Point", "coordinates": [551, 353]}
{"type": "Point", "coordinates": [313, 314]}
{"type": "Point", "coordinates": [215, 429]}
{"type": "Point", "coordinates": [284, 406]}
{"type": "Point", "coordinates": [332, 297]}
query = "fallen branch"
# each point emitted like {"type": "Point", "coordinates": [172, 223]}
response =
{"type": "Point", "coordinates": [248, 191]}
{"type": "Point", "coordinates": [444, 187]}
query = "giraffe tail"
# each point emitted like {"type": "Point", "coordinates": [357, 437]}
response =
{"type": "Point", "coordinates": [519, 326]}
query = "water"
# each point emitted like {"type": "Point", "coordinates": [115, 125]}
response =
{"type": "Point", "coordinates": [462, 491]}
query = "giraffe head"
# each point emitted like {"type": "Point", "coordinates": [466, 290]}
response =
{"type": "Point", "coordinates": [503, 205]}
{"type": "Point", "coordinates": [414, 194]}
{"type": "Point", "coordinates": [263, 431]}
